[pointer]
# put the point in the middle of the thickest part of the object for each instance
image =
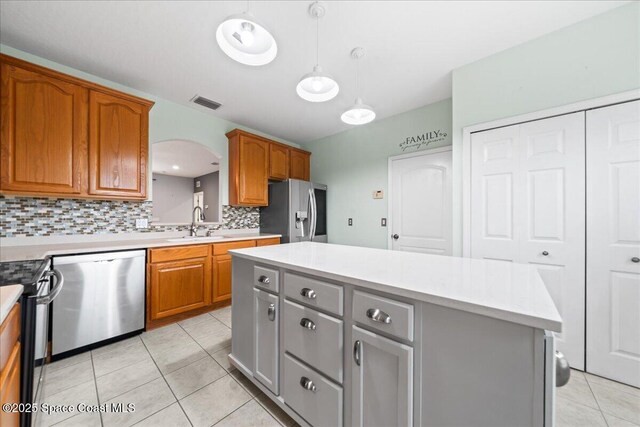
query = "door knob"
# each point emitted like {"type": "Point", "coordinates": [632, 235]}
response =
{"type": "Point", "coordinates": [545, 253]}
{"type": "Point", "coordinates": [395, 236]}
{"type": "Point", "coordinates": [635, 259]}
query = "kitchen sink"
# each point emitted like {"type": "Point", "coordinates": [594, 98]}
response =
{"type": "Point", "coordinates": [195, 238]}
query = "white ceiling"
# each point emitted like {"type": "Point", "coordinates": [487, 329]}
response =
{"type": "Point", "coordinates": [169, 49]}
{"type": "Point", "coordinates": [192, 159]}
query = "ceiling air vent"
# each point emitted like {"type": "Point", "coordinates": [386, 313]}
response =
{"type": "Point", "coordinates": [206, 102]}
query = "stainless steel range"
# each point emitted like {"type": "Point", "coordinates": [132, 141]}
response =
{"type": "Point", "coordinates": [41, 286]}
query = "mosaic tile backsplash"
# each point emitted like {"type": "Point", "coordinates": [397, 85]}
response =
{"type": "Point", "coordinates": [27, 217]}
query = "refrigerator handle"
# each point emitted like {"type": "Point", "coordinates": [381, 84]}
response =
{"type": "Point", "coordinates": [312, 219]}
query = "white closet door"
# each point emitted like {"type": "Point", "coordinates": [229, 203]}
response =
{"type": "Point", "coordinates": [613, 241]}
{"type": "Point", "coordinates": [494, 172]}
{"type": "Point", "coordinates": [552, 219]}
{"type": "Point", "coordinates": [527, 199]}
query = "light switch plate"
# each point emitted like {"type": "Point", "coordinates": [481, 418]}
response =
{"type": "Point", "coordinates": [383, 222]}
{"type": "Point", "coordinates": [378, 194]}
{"type": "Point", "coordinates": [142, 223]}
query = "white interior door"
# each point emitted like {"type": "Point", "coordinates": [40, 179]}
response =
{"type": "Point", "coordinates": [527, 206]}
{"type": "Point", "coordinates": [613, 241]}
{"type": "Point", "coordinates": [421, 202]}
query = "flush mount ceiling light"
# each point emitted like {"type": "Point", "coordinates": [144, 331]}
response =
{"type": "Point", "coordinates": [317, 86]}
{"type": "Point", "coordinates": [245, 40]}
{"type": "Point", "coordinates": [359, 113]}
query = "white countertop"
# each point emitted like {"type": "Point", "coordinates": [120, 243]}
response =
{"type": "Point", "coordinates": [502, 290]}
{"type": "Point", "coordinates": [39, 251]}
{"type": "Point", "coordinates": [9, 295]}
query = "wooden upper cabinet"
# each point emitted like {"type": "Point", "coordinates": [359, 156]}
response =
{"type": "Point", "coordinates": [299, 164]}
{"type": "Point", "coordinates": [118, 146]}
{"type": "Point", "coordinates": [254, 160]}
{"type": "Point", "coordinates": [248, 169]}
{"type": "Point", "coordinates": [44, 133]}
{"type": "Point", "coordinates": [67, 137]}
{"type": "Point", "coordinates": [278, 161]}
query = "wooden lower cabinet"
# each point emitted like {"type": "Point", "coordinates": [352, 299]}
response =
{"type": "Point", "coordinates": [221, 278]}
{"type": "Point", "coordinates": [180, 286]}
{"type": "Point", "coordinates": [222, 268]}
{"type": "Point", "coordinates": [268, 242]}
{"type": "Point", "coordinates": [185, 281]}
{"type": "Point", "coordinates": [10, 366]}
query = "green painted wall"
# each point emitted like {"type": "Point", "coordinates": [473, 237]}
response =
{"type": "Point", "coordinates": [167, 120]}
{"type": "Point", "coordinates": [593, 58]}
{"type": "Point", "coordinates": [354, 164]}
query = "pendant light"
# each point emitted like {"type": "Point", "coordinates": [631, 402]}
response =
{"type": "Point", "coordinates": [246, 40]}
{"type": "Point", "coordinates": [317, 86]}
{"type": "Point", "coordinates": [359, 113]}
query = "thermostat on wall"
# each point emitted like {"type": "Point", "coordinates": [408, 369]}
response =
{"type": "Point", "coordinates": [378, 194]}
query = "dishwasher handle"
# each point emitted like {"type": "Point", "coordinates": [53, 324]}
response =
{"type": "Point", "coordinates": [57, 287]}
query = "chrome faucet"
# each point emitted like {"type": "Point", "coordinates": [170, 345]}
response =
{"type": "Point", "coordinates": [193, 230]}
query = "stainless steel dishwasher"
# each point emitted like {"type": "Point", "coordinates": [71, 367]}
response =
{"type": "Point", "coordinates": [103, 298]}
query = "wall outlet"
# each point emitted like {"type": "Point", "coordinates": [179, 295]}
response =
{"type": "Point", "coordinates": [142, 223]}
{"type": "Point", "coordinates": [378, 194]}
{"type": "Point", "coordinates": [350, 222]}
{"type": "Point", "coordinates": [383, 222]}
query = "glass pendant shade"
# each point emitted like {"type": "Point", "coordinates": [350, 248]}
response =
{"type": "Point", "coordinates": [245, 40]}
{"type": "Point", "coordinates": [358, 114]}
{"type": "Point", "coordinates": [317, 86]}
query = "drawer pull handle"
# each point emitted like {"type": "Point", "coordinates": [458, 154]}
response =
{"type": "Point", "coordinates": [271, 312]}
{"type": "Point", "coordinates": [264, 279]}
{"type": "Point", "coordinates": [378, 315]}
{"type": "Point", "coordinates": [307, 324]}
{"type": "Point", "coordinates": [356, 352]}
{"type": "Point", "coordinates": [307, 384]}
{"type": "Point", "coordinates": [308, 293]}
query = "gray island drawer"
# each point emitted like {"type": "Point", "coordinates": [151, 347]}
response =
{"type": "Point", "coordinates": [320, 403]}
{"type": "Point", "coordinates": [266, 278]}
{"type": "Point", "coordinates": [315, 338]}
{"type": "Point", "coordinates": [372, 311]}
{"type": "Point", "coordinates": [315, 293]}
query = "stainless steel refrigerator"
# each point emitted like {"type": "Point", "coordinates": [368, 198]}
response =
{"type": "Point", "coordinates": [297, 210]}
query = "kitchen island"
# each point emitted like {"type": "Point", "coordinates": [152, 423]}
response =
{"type": "Point", "coordinates": [341, 335]}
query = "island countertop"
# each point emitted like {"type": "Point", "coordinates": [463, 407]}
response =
{"type": "Point", "coordinates": [501, 290]}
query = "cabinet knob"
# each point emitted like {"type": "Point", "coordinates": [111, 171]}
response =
{"type": "Point", "coordinates": [395, 236]}
{"type": "Point", "coordinates": [271, 312]}
{"type": "Point", "coordinates": [635, 259]}
{"type": "Point", "coordinates": [308, 293]}
{"type": "Point", "coordinates": [545, 253]}
{"type": "Point", "coordinates": [378, 315]}
{"type": "Point", "coordinates": [307, 324]}
{"type": "Point", "coordinates": [307, 384]}
{"type": "Point", "coordinates": [264, 279]}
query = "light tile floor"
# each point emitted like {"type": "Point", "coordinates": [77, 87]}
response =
{"type": "Point", "coordinates": [179, 375]}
